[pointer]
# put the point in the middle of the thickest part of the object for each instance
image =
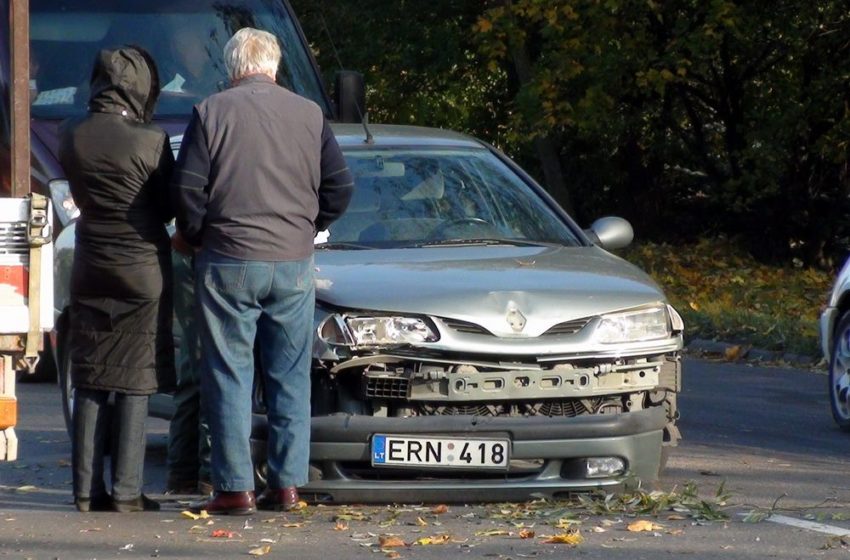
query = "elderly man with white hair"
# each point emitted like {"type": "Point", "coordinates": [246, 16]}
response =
{"type": "Point", "coordinates": [258, 174]}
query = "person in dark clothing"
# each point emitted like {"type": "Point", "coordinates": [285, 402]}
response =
{"type": "Point", "coordinates": [188, 458]}
{"type": "Point", "coordinates": [118, 166]}
{"type": "Point", "coordinates": [258, 174]}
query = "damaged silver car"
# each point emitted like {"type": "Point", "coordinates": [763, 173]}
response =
{"type": "Point", "coordinates": [472, 343]}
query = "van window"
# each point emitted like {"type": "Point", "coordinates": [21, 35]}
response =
{"type": "Point", "coordinates": [185, 37]}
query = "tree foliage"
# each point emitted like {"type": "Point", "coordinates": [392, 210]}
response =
{"type": "Point", "coordinates": [688, 117]}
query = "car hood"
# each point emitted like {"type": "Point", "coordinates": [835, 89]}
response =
{"type": "Point", "coordinates": [547, 285]}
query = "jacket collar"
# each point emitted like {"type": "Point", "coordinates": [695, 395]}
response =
{"type": "Point", "coordinates": [254, 79]}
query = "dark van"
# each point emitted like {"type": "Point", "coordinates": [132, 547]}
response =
{"type": "Point", "coordinates": [186, 39]}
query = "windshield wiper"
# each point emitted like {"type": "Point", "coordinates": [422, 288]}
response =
{"type": "Point", "coordinates": [484, 241]}
{"type": "Point", "coordinates": [341, 245]}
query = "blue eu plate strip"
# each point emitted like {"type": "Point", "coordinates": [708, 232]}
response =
{"type": "Point", "coordinates": [379, 448]}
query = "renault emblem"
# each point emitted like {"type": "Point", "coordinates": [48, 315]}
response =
{"type": "Point", "coordinates": [515, 319]}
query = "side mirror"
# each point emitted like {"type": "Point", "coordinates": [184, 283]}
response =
{"type": "Point", "coordinates": [349, 96]}
{"type": "Point", "coordinates": [611, 232]}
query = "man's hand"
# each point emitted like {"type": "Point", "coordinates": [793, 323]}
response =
{"type": "Point", "coordinates": [181, 245]}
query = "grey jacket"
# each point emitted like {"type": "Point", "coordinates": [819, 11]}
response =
{"type": "Point", "coordinates": [258, 173]}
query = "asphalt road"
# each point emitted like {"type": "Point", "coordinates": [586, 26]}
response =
{"type": "Point", "coordinates": [762, 435]}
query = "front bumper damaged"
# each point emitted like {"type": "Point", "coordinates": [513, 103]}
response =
{"type": "Point", "coordinates": [548, 456]}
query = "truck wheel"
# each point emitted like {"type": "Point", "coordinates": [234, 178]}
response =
{"type": "Point", "coordinates": [839, 374]}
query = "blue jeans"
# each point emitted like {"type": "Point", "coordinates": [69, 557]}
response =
{"type": "Point", "coordinates": [274, 302]}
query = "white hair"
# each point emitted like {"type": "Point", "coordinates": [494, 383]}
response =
{"type": "Point", "coordinates": [251, 51]}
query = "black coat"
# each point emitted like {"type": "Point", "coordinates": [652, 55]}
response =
{"type": "Point", "coordinates": [118, 166]}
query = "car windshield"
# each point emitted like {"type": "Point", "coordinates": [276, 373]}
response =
{"type": "Point", "coordinates": [185, 37]}
{"type": "Point", "coordinates": [418, 197]}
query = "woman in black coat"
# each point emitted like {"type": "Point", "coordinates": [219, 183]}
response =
{"type": "Point", "coordinates": [118, 166]}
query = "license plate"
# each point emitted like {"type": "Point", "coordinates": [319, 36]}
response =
{"type": "Point", "coordinates": [449, 452]}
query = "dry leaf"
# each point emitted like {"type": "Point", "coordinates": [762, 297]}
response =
{"type": "Point", "coordinates": [421, 522]}
{"type": "Point", "coordinates": [733, 352]}
{"type": "Point", "coordinates": [676, 532]}
{"type": "Point", "coordinates": [436, 539]}
{"type": "Point", "coordinates": [676, 517]}
{"type": "Point", "coordinates": [389, 541]}
{"type": "Point", "coordinates": [260, 550]}
{"type": "Point", "coordinates": [572, 539]}
{"type": "Point", "coordinates": [222, 534]}
{"type": "Point", "coordinates": [442, 508]}
{"type": "Point", "coordinates": [292, 525]}
{"type": "Point", "coordinates": [526, 534]}
{"type": "Point", "coordinates": [643, 525]}
{"type": "Point", "coordinates": [392, 554]}
{"type": "Point", "coordinates": [189, 515]}
{"type": "Point", "coordinates": [26, 488]}
{"type": "Point", "coordinates": [341, 526]}
{"type": "Point", "coordinates": [565, 523]}
{"type": "Point", "coordinates": [492, 533]}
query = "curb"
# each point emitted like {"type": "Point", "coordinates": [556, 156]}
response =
{"type": "Point", "coordinates": [745, 353]}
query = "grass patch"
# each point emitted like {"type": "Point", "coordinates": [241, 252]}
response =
{"type": "Point", "coordinates": [723, 294]}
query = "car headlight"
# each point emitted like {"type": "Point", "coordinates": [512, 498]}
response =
{"type": "Point", "coordinates": [648, 323]}
{"type": "Point", "coordinates": [63, 202]}
{"type": "Point", "coordinates": [389, 330]}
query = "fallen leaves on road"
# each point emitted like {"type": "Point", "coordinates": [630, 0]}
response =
{"type": "Point", "coordinates": [436, 539]}
{"type": "Point", "coordinates": [442, 508]}
{"type": "Point", "coordinates": [526, 534]}
{"type": "Point", "coordinates": [260, 550]}
{"type": "Point", "coordinates": [341, 526]}
{"type": "Point", "coordinates": [26, 488]}
{"type": "Point", "coordinates": [573, 538]}
{"type": "Point", "coordinates": [390, 541]}
{"type": "Point", "coordinates": [191, 515]}
{"type": "Point", "coordinates": [352, 515]}
{"type": "Point", "coordinates": [643, 525]}
{"type": "Point", "coordinates": [733, 353]}
{"type": "Point", "coordinates": [222, 534]}
{"type": "Point", "coordinates": [564, 523]}
{"type": "Point", "coordinates": [493, 533]}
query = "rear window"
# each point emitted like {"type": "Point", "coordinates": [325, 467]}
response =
{"type": "Point", "coordinates": [185, 38]}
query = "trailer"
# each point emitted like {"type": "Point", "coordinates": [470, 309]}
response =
{"type": "Point", "coordinates": [26, 248]}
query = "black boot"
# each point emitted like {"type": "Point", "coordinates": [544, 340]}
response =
{"type": "Point", "coordinates": [102, 502]}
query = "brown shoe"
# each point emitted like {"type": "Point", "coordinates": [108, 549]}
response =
{"type": "Point", "coordinates": [227, 503]}
{"type": "Point", "coordinates": [279, 499]}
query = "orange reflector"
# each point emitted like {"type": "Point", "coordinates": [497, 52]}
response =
{"type": "Point", "coordinates": [8, 412]}
{"type": "Point", "coordinates": [15, 276]}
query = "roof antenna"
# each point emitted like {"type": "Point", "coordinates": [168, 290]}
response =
{"type": "Point", "coordinates": [364, 118]}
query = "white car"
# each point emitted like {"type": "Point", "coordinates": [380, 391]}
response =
{"type": "Point", "coordinates": [835, 341]}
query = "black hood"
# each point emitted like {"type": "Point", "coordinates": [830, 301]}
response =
{"type": "Point", "coordinates": [124, 81]}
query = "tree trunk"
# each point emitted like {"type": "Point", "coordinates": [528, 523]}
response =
{"type": "Point", "coordinates": [547, 148]}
